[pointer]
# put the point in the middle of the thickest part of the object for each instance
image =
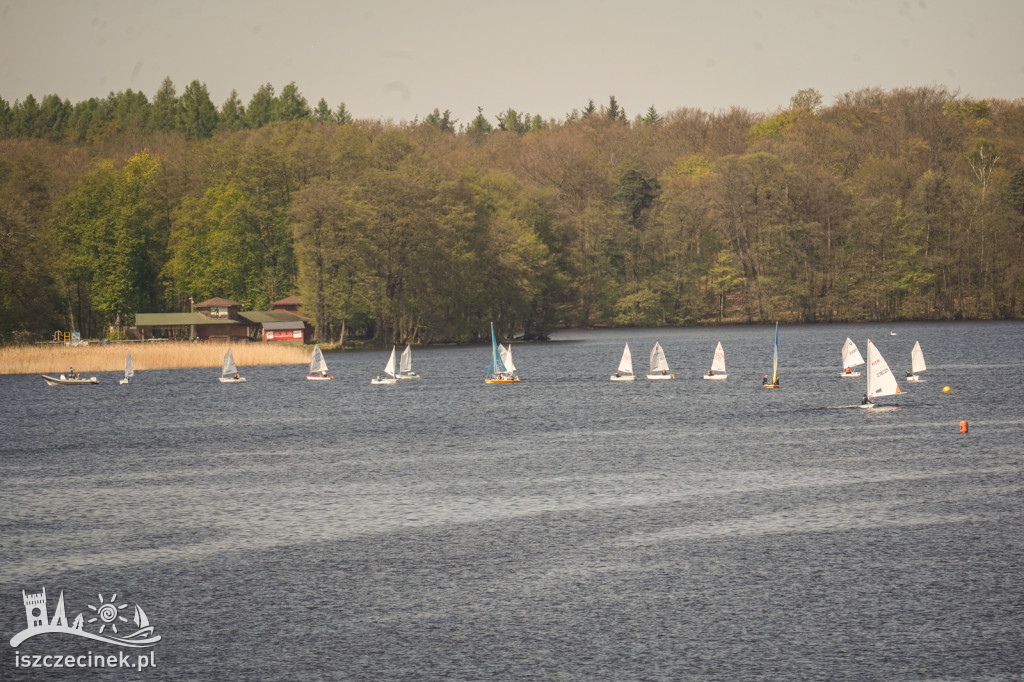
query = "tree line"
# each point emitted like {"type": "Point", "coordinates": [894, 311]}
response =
{"type": "Point", "coordinates": [884, 205]}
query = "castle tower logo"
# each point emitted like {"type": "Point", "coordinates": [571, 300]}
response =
{"type": "Point", "coordinates": [106, 621]}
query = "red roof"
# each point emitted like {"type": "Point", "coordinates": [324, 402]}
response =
{"type": "Point", "coordinates": [216, 301]}
{"type": "Point", "coordinates": [291, 300]}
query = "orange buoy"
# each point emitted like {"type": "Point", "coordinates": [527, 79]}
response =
{"type": "Point", "coordinates": [963, 426]}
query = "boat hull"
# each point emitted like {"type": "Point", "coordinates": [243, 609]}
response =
{"type": "Point", "coordinates": [318, 377]}
{"type": "Point", "coordinates": [502, 381]}
{"type": "Point", "coordinates": [383, 382]}
{"type": "Point", "coordinates": [124, 381]}
{"type": "Point", "coordinates": [624, 377]}
{"type": "Point", "coordinates": [770, 386]}
{"type": "Point", "coordinates": [716, 377]}
{"type": "Point", "coordinates": [232, 380]}
{"type": "Point", "coordinates": [406, 377]}
{"type": "Point", "coordinates": [660, 377]}
{"type": "Point", "coordinates": [916, 379]}
{"type": "Point", "coordinates": [850, 375]}
{"type": "Point", "coordinates": [64, 381]}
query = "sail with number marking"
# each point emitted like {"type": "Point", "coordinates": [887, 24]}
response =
{"type": "Point", "coordinates": [881, 381]}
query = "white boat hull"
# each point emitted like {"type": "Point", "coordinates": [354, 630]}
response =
{"type": "Point", "coordinates": [915, 379]}
{"type": "Point", "coordinates": [383, 382]}
{"type": "Point", "coordinates": [232, 380]}
{"type": "Point", "coordinates": [660, 377]}
{"type": "Point", "coordinates": [850, 375]}
{"type": "Point", "coordinates": [716, 377]}
{"type": "Point", "coordinates": [623, 377]}
{"type": "Point", "coordinates": [406, 377]}
{"type": "Point", "coordinates": [318, 377]}
{"type": "Point", "coordinates": [64, 381]}
{"type": "Point", "coordinates": [124, 381]}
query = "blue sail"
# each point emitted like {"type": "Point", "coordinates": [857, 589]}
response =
{"type": "Point", "coordinates": [497, 366]}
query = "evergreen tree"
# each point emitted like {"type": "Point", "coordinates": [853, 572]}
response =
{"type": "Point", "coordinates": [261, 107]}
{"type": "Point", "coordinates": [165, 115]}
{"type": "Point", "coordinates": [197, 115]}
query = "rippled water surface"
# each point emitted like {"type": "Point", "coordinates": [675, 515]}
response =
{"type": "Point", "coordinates": [567, 527]}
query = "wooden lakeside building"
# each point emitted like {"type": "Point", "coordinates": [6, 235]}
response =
{"type": "Point", "coordinates": [221, 320]}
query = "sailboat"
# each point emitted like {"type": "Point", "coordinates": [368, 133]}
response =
{"type": "Point", "coordinates": [916, 363]}
{"type": "Point", "coordinates": [717, 370]}
{"type": "Point", "coordinates": [129, 369]}
{"type": "Point", "coordinates": [881, 381]}
{"type": "Point", "coordinates": [659, 365]}
{"type": "Point", "coordinates": [851, 358]}
{"type": "Point", "coordinates": [388, 377]}
{"type": "Point", "coordinates": [318, 366]}
{"type": "Point", "coordinates": [229, 373]}
{"type": "Point", "coordinates": [625, 369]}
{"type": "Point", "coordinates": [405, 365]}
{"type": "Point", "coordinates": [774, 383]}
{"type": "Point", "coordinates": [499, 372]}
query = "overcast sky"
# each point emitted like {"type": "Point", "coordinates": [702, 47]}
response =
{"type": "Point", "coordinates": [401, 59]}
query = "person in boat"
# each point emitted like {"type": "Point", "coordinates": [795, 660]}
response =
{"type": "Point", "coordinates": [664, 372]}
{"type": "Point", "coordinates": [764, 381]}
{"type": "Point", "coordinates": [71, 373]}
{"type": "Point", "coordinates": [865, 400]}
{"type": "Point", "coordinates": [847, 370]}
{"type": "Point", "coordinates": [236, 374]}
{"type": "Point", "coordinates": [618, 374]}
{"type": "Point", "coordinates": [909, 373]}
{"type": "Point", "coordinates": [323, 372]}
{"type": "Point", "coordinates": [710, 373]}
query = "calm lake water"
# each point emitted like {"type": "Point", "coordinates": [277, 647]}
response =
{"type": "Point", "coordinates": [567, 527]}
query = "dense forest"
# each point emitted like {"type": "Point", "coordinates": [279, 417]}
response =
{"type": "Point", "coordinates": [884, 205]}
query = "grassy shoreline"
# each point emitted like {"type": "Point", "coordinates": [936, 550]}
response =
{"type": "Point", "coordinates": [109, 357]}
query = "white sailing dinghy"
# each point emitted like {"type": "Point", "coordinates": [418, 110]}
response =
{"type": "Point", "coordinates": [388, 377]}
{"type": "Point", "coordinates": [405, 365]}
{"type": "Point", "coordinates": [881, 381]}
{"type": "Point", "coordinates": [916, 363]}
{"type": "Point", "coordinates": [717, 370]}
{"type": "Point", "coordinates": [625, 369]}
{"type": "Point", "coordinates": [129, 369]}
{"type": "Point", "coordinates": [659, 365]}
{"type": "Point", "coordinates": [851, 358]}
{"type": "Point", "coordinates": [318, 366]}
{"type": "Point", "coordinates": [229, 373]}
{"type": "Point", "coordinates": [774, 383]}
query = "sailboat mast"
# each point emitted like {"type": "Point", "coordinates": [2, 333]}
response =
{"type": "Point", "coordinates": [775, 362]}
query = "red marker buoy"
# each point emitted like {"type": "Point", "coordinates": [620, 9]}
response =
{"type": "Point", "coordinates": [963, 426]}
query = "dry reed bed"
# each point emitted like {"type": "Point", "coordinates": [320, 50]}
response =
{"type": "Point", "coordinates": [109, 357]}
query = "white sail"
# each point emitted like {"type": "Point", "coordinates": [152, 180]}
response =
{"type": "Point", "coordinates": [405, 363]}
{"type": "Point", "coordinates": [881, 381]}
{"type": "Point", "coordinates": [917, 359]}
{"type": "Point", "coordinates": [851, 354]}
{"type": "Point", "coordinates": [658, 361]}
{"type": "Point", "coordinates": [718, 363]}
{"type": "Point", "coordinates": [317, 363]}
{"type": "Point", "coordinates": [389, 368]}
{"type": "Point", "coordinates": [140, 617]}
{"type": "Point", "coordinates": [129, 367]}
{"type": "Point", "coordinates": [626, 363]}
{"type": "Point", "coordinates": [229, 368]}
{"type": "Point", "coordinates": [506, 357]}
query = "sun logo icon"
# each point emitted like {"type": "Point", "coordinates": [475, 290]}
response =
{"type": "Point", "coordinates": [108, 614]}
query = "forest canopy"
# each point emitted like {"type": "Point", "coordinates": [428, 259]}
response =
{"type": "Point", "coordinates": [884, 205]}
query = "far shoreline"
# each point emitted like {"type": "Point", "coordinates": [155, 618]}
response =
{"type": "Point", "coordinates": [110, 357]}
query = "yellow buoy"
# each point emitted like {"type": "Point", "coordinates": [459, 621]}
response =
{"type": "Point", "coordinates": [946, 389]}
